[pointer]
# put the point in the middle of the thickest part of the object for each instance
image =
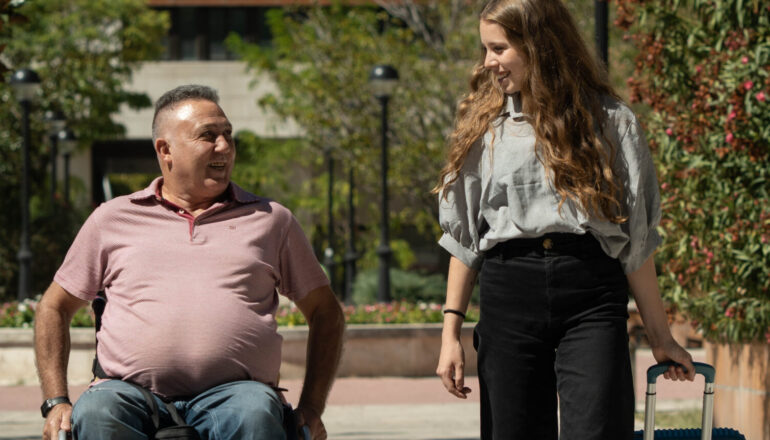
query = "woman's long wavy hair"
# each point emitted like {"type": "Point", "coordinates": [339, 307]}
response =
{"type": "Point", "coordinates": [561, 96]}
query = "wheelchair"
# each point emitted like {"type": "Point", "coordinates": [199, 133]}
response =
{"type": "Point", "coordinates": [289, 423]}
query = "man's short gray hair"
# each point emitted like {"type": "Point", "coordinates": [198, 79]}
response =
{"type": "Point", "coordinates": [179, 94]}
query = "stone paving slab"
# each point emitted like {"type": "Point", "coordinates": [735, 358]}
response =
{"type": "Point", "coordinates": [386, 408]}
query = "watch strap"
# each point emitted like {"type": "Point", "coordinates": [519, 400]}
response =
{"type": "Point", "coordinates": [50, 403]}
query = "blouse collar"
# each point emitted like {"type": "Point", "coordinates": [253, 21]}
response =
{"type": "Point", "coordinates": [513, 106]}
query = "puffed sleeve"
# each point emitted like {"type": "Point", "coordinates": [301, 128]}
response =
{"type": "Point", "coordinates": [460, 213]}
{"type": "Point", "coordinates": [641, 196]}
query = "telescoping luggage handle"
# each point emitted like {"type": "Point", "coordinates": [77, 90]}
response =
{"type": "Point", "coordinates": [707, 419]}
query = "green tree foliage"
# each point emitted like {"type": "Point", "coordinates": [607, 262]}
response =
{"type": "Point", "coordinates": [320, 61]}
{"type": "Point", "coordinates": [704, 69]}
{"type": "Point", "coordinates": [84, 52]}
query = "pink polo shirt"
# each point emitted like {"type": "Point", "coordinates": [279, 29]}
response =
{"type": "Point", "coordinates": [191, 301]}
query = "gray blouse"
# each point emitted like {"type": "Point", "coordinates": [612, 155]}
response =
{"type": "Point", "coordinates": [503, 192]}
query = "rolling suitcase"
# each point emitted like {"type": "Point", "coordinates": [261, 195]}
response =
{"type": "Point", "coordinates": [706, 432]}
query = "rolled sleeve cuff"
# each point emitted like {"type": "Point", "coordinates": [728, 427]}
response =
{"type": "Point", "coordinates": [467, 256]}
{"type": "Point", "coordinates": [635, 261]}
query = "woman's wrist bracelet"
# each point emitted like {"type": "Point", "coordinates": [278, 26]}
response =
{"type": "Point", "coordinates": [454, 312]}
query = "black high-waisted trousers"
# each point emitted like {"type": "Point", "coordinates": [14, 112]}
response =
{"type": "Point", "coordinates": [553, 321]}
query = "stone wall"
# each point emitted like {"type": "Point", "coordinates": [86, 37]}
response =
{"type": "Point", "coordinates": [409, 350]}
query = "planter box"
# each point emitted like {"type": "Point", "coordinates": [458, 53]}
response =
{"type": "Point", "coordinates": [742, 387]}
{"type": "Point", "coordinates": [17, 356]}
{"type": "Point", "coordinates": [408, 350]}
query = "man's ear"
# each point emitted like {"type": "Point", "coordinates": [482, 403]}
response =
{"type": "Point", "coordinates": [163, 150]}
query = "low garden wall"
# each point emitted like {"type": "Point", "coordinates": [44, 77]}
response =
{"type": "Point", "coordinates": [742, 387]}
{"type": "Point", "coordinates": [406, 350]}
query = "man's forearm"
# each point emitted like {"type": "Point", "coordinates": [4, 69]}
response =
{"type": "Point", "coordinates": [324, 348]}
{"type": "Point", "coordinates": [52, 347]}
{"type": "Point", "coordinates": [52, 339]}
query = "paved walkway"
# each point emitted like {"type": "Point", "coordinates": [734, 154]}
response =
{"type": "Point", "coordinates": [369, 408]}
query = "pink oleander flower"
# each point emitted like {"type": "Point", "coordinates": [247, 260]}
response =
{"type": "Point", "coordinates": [732, 115]}
{"type": "Point", "coordinates": [761, 97]}
{"type": "Point", "coordinates": [664, 185]}
{"type": "Point", "coordinates": [730, 312]}
{"type": "Point", "coordinates": [748, 85]}
{"type": "Point", "coordinates": [729, 138]}
{"type": "Point", "coordinates": [745, 60]}
{"type": "Point", "coordinates": [669, 131]}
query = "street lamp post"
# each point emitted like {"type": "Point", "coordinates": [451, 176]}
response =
{"type": "Point", "coordinates": [25, 84]}
{"type": "Point", "coordinates": [350, 255]}
{"type": "Point", "coordinates": [383, 80]}
{"type": "Point", "coordinates": [600, 30]}
{"type": "Point", "coordinates": [329, 251]}
{"type": "Point", "coordinates": [56, 123]}
{"type": "Point", "coordinates": [68, 141]}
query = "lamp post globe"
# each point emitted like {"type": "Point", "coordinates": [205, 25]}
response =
{"type": "Point", "coordinates": [25, 84]}
{"type": "Point", "coordinates": [383, 80]}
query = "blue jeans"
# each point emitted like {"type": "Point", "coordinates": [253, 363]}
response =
{"type": "Point", "coordinates": [553, 322]}
{"type": "Point", "coordinates": [236, 410]}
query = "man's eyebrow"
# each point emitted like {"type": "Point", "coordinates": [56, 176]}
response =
{"type": "Point", "coordinates": [209, 126]}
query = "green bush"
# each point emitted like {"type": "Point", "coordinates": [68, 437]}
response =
{"type": "Point", "coordinates": [22, 315]}
{"type": "Point", "coordinates": [404, 286]}
{"type": "Point", "coordinates": [704, 70]}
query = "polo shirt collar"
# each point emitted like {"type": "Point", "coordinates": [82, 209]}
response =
{"type": "Point", "coordinates": [237, 193]}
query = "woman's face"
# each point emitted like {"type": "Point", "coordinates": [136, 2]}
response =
{"type": "Point", "coordinates": [502, 58]}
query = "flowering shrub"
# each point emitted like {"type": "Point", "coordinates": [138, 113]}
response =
{"type": "Point", "coordinates": [704, 69]}
{"type": "Point", "coordinates": [22, 314]}
{"type": "Point", "coordinates": [14, 314]}
{"type": "Point", "coordinates": [387, 313]}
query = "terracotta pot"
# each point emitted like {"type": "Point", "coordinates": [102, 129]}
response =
{"type": "Point", "coordinates": [742, 389]}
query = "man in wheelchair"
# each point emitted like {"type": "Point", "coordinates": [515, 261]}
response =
{"type": "Point", "coordinates": [191, 268]}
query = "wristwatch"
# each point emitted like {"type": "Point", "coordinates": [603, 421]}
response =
{"type": "Point", "coordinates": [50, 403]}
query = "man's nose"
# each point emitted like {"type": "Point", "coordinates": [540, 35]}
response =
{"type": "Point", "coordinates": [224, 143]}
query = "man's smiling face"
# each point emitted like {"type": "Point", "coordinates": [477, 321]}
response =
{"type": "Point", "coordinates": [197, 151]}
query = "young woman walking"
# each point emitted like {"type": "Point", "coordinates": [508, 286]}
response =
{"type": "Point", "coordinates": [550, 195]}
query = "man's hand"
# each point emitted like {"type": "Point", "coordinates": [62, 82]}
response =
{"type": "Point", "coordinates": [52, 345]}
{"type": "Point", "coordinates": [58, 419]}
{"type": "Point", "coordinates": [326, 324]}
{"type": "Point", "coordinates": [311, 418]}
